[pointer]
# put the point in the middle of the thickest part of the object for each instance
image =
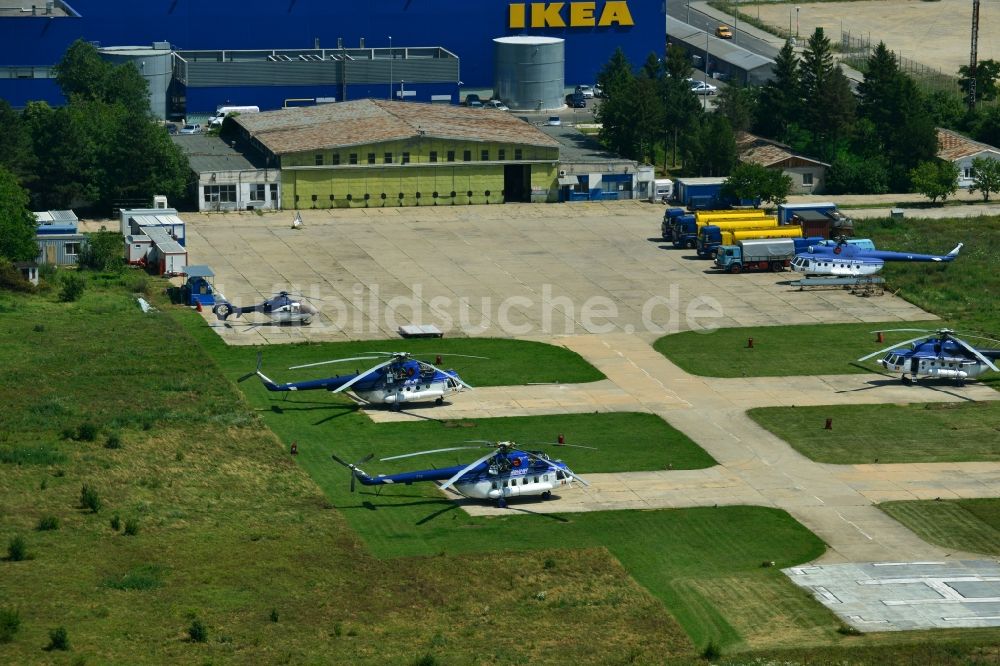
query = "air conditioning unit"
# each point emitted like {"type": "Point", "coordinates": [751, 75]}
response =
{"type": "Point", "coordinates": [562, 172]}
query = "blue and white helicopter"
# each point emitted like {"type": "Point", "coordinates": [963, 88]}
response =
{"type": "Point", "coordinates": [397, 379]}
{"type": "Point", "coordinates": [283, 308]}
{"type": "Point", "coordinates": [845, 259]}
{"type": "Point", "coordinates": [940, 356]}
{"type": "Point", "coordinates": [505, 472]}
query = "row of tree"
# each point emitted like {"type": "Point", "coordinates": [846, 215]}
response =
{"type": "Point", "coordinates": [103, 146]}
{"type": "Point", "coordinates": [876, 140]}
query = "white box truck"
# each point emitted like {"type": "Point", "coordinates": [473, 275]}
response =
{"type": "Point", "coordinates": [223, 111]}
{"type": "Point", "coordinates": [661, 191]}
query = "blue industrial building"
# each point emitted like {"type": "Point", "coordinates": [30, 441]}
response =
{"type": "Point", "coordinates": [447, 43]}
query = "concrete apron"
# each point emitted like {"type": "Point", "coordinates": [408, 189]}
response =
{"type": "Point", "coordinates": [836, 502]}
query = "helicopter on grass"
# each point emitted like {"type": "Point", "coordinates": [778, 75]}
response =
{"type": "Point", "coordinates": [505, 472]}
{"type": "Point", "coordinates": [940, 356]}
{"type": "Point", "coordinates": [397, 379]}
{"type": "Point", "coordinates": [282, 308]}
{"type": "Point", "coordinates": [845, 259]}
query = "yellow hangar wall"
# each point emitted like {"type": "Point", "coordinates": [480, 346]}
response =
{"type": "Point", "coordinates": [409, 173]}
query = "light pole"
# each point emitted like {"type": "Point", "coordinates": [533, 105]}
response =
{"type": "Point", "coordinates": [797, 23]}
{"type": "Point", "coordinates": [401, 96]}
{"type": "Point", "coordinates": [390, 67]}
{"type": "Point", "coordinates": [704, 93]}
{"type": "Point", "coordinates": [689, 12]}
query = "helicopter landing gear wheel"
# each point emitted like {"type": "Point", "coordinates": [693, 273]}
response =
{"type": "Point", "coordinates": [547, 495]}
{"type": "Point", "coordinates": [501, 503]}
{"type": "Point", "coordinates": [395, 407]}
{"type": "Point", "coordinates": [439, 401]}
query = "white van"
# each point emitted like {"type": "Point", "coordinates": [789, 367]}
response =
{"type": "Point", "coordinates": [661, 191]}
{"type": "Point", "coordinates": [223, 111]}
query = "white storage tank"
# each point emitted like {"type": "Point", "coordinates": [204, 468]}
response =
{"type": "Point", "coordinates": [154, 63]}
{"type": "Point", "coordinates": [529, 72]}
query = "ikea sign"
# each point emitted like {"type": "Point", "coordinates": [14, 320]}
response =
{"type": "Point", "coordinates": [569, 15]}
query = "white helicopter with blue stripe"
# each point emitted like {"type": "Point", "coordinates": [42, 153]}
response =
{"type": "Point", "coordinates": [503, 473]}
{"type": "Point", "coordinates": [397, 379]}
{"type": "Point", "coordinates": [845, 259]}
{"type": "Point", "coordinates": [942, 355]}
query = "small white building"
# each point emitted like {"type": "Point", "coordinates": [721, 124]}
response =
{"type": "Point", "coordinates": [231, 176]}
{"type": "Point", "coordinates": [808, 175]}
{"type": "Point", "coordinates": [961, 150]}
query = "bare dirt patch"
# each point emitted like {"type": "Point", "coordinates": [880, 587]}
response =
{"type": "Point", "coordinates": [935, 34]}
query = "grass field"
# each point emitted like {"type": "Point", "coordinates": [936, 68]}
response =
{"type": "Point", "coordinates": [229, 528]}
{"type": "Point", "coordinates": [930, 432]}
{"type": "Point", "coordinates": [969, 524]}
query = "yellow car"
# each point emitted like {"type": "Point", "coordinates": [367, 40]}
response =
{"type": "Point", "coordinates": [724, 32]}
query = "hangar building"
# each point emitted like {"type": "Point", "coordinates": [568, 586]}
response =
{"type": "Point", "coordinates": [373, 153]}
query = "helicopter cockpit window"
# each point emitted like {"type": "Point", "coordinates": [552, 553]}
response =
{"type": "Point", "coordinates": [560, 475]}
{"type": "Point", "coordinates": [494, 485]}
{"type": "Point", "coordinates": [545, 477]}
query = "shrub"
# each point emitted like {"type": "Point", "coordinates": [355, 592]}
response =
{"type": "Point", "coordinates": [116, 522]}
{"type": "Point", "coordinates": [72, 289]}
{"type": "Point", "coordinates": [58, 639]}
{"type": "Point", "coordinates": [711, 651]}
{"type": "Point", "coordinates": [131, 527]}
{"type": "Point", "coordinates": [47, 523]}
{"type": "Point", "coordinates": [10, 622]}
{"type": "Point", "coordinates": [89, 499]}
{"type": "Point", "coordinates": [114, 441]}
{"type": "Point", "coordinates": [197, 631]}
{"type": "Point", "coordinates": [17, 549]}
{"type": "Point", "coordinates": [86, 432]}
{"type": "Point", "coordinates": [274, 615]}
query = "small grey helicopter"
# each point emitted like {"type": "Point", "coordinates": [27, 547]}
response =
{"type": "Point", "coordinates": [282, 308]}
{"type": "Point", "coordinates": [942, 355]}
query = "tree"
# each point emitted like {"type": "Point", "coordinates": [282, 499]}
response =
{"type": "Point", "coordinates": [987, 72]}
{"type": "Point", "coordinates": [738, 105]}
{"type": "Point", "coordinates": [681, 108]}
{"type": "Point", "coordinates": [945, 108]}
{"type": "Point", "coordinates": [985, 177]}
{"type": "Point", "coordinates": [987, 126]}
{"type": "Point", "coordinates": [615, 73]}
{"type": "Point", "coordinates": [17, 222]}
{"type": "Point", "coordinates": [15, 143]}
{"type": "Point", "coordinates": [710, 149]}
{"type": "Point", "coordinates": [851, 173]}
{"type": "Point", "coordinates": [749, 181]}
{"type": "Point", "coordinates": [828, 103]}
{"type": "Point", "coordinates": [936, 178]}
{"type": "Point", "coordinates": [780, 99]}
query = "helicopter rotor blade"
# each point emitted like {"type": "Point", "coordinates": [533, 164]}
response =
{"type": "Point", "coordinates": [260, 359]}
{"type": "Point", "coordinates": [975, 352]}
{"type": "Point", "coordinates": [421, 453]}
{"type": "Point", "coordinates": [353, 467]}
{"type": "Point", "coordinates": [891, 347]}
{"type": "Point", "coordinates": [452, 377]}
{"type": "Point", "coordinates": [336, 360]}
{"type": "Point", "coordinates": [575, 446]}
{"type": "Point", "coordinates": [565, 470]}
{"type": "Point", "coordinates": [447, 484]}
{"type": "Point", "coordinates": [362, 376]}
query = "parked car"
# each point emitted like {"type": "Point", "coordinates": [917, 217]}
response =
{"type": "Point", "coordinates": [702, 88]}
{"type": "Point", "coordinates": [598, 90]}
{"type": "Point", "coordinates": [171, 128]}
{"type": "Point", "coordinates": [555, 121]}
{"type": "Point", "coordinates": [724, 31]}
{"type": "Point", "coordinates": [191, 128]}
{"type": "Point", "coordinates": [576, 101]}
{"type": "Point", "coordinates": [586, 91]}
{"type": "Point", "coordinates": [496, 104]}
{"type": "Point", "coordinates": [473, 100]}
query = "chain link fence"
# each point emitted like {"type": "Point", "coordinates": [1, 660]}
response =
{"type": "Point", "coordinates": [856, 50]}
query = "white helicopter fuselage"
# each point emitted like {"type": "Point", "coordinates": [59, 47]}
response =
{"type": "Point", "coordinates": [834, 265]}
{"type": "Point", "coordinates": [515, 483]}
{"type": "Point", "coordinates": [292, 314]}
{"type": "Point", "coordinates": [415, 390]}
{"type": "Point", "coordinates": [941, 367]}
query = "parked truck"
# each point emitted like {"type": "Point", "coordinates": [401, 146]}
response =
{"type": "Point", "coordinates": [666, 227]}
{"type": "Point", "coordinates": [764, 254]}
{"type": "Point", "coordinates": [661, 190]}
{"type": "Point", "coordinates": [714, 216]}
{"type": "Point", "coordinates": [711, 236]}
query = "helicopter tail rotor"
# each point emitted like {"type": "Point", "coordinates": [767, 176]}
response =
{"type": "Point", "coordinates": [260, 359]}
{"type": "Point", "coordinates": [355, 470]}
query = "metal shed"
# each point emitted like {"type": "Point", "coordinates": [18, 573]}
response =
{"type": "Point", "coordinates": [719, 58]}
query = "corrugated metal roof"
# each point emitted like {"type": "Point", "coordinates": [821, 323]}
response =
{"type": "Point", "coordinates": [156, 220]}
{"type": "Point", "coordinates": [721, 49]}
{"type": "Point", "coordinates": [367, 121]}
{"type": "Point", "coordinates": [953, 146]}
{"type": "Point", "coordinates": [211, 153]}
